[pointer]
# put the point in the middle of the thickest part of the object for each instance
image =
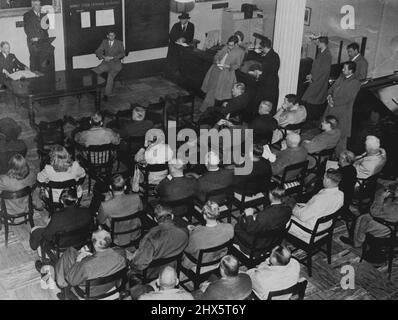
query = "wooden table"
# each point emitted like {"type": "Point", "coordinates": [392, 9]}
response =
{"type": "Point", "coordinates": [56, 85]}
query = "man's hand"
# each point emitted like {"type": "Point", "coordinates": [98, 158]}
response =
{"type": "Point", "coordinates": [225, 104]}
{"type": "Point", "coordinates": [35, 39]}
{"type": "Point", "coordinates": [309, 77]}
{"type": "Point", "coordinates": [107, 59]}
{"type": "Point", "coordinates": [204, 286]}
{"type": "Point", "coordinates": [83, 253]}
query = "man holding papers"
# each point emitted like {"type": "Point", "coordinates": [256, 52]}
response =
{"type": "Point", "coordinates": [111, 52]}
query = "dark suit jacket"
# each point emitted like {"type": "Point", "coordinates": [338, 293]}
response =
{"type": "Point", "coordinates": [268, 83]}
{"type": "Point", "coordinates": [32, 26]}
{"type": "Point", "coordinates": [263, 128]}
{"type": "Point", "coordinates": [135, 128]}
{"type": "Point", "coordinates": [213, 180]}
{"type": "Point", "coordinates": [362, 68]}
{"type": "Point", "coordinates": [116, 51]}
{"type": "Point", "coordinates": [348, 181]}
{"type": "Point", "coordinates": [288, 157]}
{"type": "Point", "coordinates": [11, 63]}
{"type": "Point", "coordinates": [271, 218]}
{"type": "Point", "coordinates": [249, 184]}
{"type": "Point", "coordinates": [177, 32]}
{"type": "Point", "coordinates": [69, 219]}
{"type": "Point", "coordinates": [235, 105]}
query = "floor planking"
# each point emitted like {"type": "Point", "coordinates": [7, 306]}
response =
{"type": "Point", "coordinates": [20, 281]}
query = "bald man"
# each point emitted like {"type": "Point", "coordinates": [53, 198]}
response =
{"type": "Point", "coordinates": [176, 186]}
{"type": "Point", "coordinates": [292, 155]}
{"type": "Point", "coordinates": [75, 267]}
{"type": "Point", "coordinates": [264, 124]}
{"type": "Point", "coordinates": [167, 283]}
{"type": "Point", "coordinates": [373, 160]}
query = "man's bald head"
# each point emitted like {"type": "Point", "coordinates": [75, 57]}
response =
{"type": "Point", "coordinates": [293, 140]}
{"type": "Point", "coordinates": [168, 278]}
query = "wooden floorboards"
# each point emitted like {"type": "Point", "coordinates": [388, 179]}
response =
{"type": "Point", "coordinates": [20, 281]}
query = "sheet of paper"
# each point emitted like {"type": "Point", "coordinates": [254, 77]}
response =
{"type": "Point", "coordinates": [27, 74]}
{"type": "Point", "coordinates": [105, 17]}
{"type": "Point", "coordinates": [85, 19]}
{"type": "Point", "coordinates": [332, 165]}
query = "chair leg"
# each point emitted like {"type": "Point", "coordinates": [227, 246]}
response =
{"type": "Point", "coordinates": [329, 251]}
{"type": "Point", "coordinates": [6, 231]}
{"type": "Point", "coordinates": [31, 222]}
{"type": "Point", "coordinates": [89, 184]}
{"type": "Point", "coordinates": [309, 264]}
{"type": "Point", "coordinates": [390, 260]}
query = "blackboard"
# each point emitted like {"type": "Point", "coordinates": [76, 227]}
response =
{"type": "Point", "coordinates": [82, 41]}
{"type": "Point", "coordinates": [147, 24]}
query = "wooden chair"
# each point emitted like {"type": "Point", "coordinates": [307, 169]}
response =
{"type": "Point", "coordinates": [49, 134]}
{"type": "Point", "coordinates": [318, 239]}
{"type": "Point", "coordinates": [119, 279]}
{"type": "Point", "coordinates": [9, 220]}
{"type": "Point", "coordinates": [182, 107]}
{"type": "Point", "coordinates": [258, 255]}
{"type": "Point", "coordinates": [297, 290]}
{"type": "Point", "coordinates": [223, 197]}
{"type": "Point", "coordinates": [196, 275]}
{"type": "Point", "coordinates": [365, 193]}
{"type": "Point", "coordinates": [293, 177]}
{"type": "Point", "coordinates": [48, 199]}
{"type": "Point", "coordinates": [389, 244]}
{"type": "Point", "coordinates": [77, 239]}
{"type": "Point", "coordinates": [125, 220]}
{"type": "Point", "coordinates": [147, 189]}
{"type": "Point", "coordinates": [320, 160]}
{"type": "Point", "coordinates": [158, 264]}
{"type": "Point", "coordinates": [128, 148]}
{"type": "Point", "coordinates": [98, 161]}
{"type": "Point", "coordinates": [252, 194]}
{"type": "Point", "coordinates": [157, 113]}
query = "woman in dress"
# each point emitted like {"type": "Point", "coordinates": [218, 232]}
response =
{"type": "Point", "coordinates": [221, 76]}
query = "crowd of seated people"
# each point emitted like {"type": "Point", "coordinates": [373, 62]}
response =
{"type": "Point", "coordinates": [164, 229]}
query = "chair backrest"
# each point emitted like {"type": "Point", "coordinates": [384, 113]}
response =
{"type": "Point", "coordinates": [77, 238]}
{"type": "Point", "coordinates": [328, 232]}
{"type": "Point", "coordinates": [158, 263]}
{"type": "Point", "coordinates": [295, 172]}
{"type": "Point", "coordinates": [221, 196]}
{"type": "Point", "coordinates": [203, 252]}
{"type": "Point", "coordinates": [8, 195]}
{"type": "Point", "coordinates": [134, 144]}
{"type": "Point", "coordinates": [101, 156]}
{"type": "Point", "coordinates": [121, 220]}
{"type": "Point", "coordinates": [297, 290]}
{"type": "Point", "coordinates": [119, 279]}
{"type": "Point", "coordinates": [60, 185]}
{"type": "Point", "coordinates": [255, 185]}
{"type": "Point", "coordinates": [274, 237]}
{"type": "Point", "coordinates": [367, 187]}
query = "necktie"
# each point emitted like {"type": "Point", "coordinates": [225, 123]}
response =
{"type": "Point", "coordinates": [184, 28]}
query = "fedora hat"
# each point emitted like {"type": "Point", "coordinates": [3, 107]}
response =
{"type": "Point", "coordinates": [184, 15]}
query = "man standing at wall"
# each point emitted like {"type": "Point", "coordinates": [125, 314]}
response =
{"type": "Point", "coordinates": [362, 64]}
{"type": "Point", "coordinates": [33, 25]}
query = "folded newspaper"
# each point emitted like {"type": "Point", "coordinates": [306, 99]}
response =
{"type": "Point", "coordinates": [23, 74]}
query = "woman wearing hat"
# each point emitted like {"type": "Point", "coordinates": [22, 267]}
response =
{"type": "Point", "coordinates": [221, 76]}
{"type": "Point", "coordinates": [182, 32]}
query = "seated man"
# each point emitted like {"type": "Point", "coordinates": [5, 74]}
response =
{"type": "Point", "coordinates": [248, 184]}
{"type": "Point", "coordinates": [167, 284]}
{"type": "Point", "coordinates": [384, 207]}
{"type": "Point", "coordinates": [328, 139]}
{"type": "Point", "coordinates": [10, 144]}
{"type": "Point", "coordinates": [214, 179]}
{"type": "Point", "coordinates": [279, 272]}
{"type": "Point", "coordinates": [111, 52]}
{"type": "Point", "coordinates": [348, 176]}
{"type": "Point", "coordinates": [69, 219]}
{"type": "Point", "coordinates": [97, 135]}
{"type": "Point", "coordinates": [8, 61]}
{"type": "Point", "coordinates": [211, 235]}
{"type": "Point", "coordinates": [176, 186]}
{"type": "Point", "coordinates": [118, 205]}
{"type": "Point", "coordinates": [273, 217]}
{"type": "Point", "coordinates": [163, 241]}
{"type": "Point", "coordinates": [290, 113]}
{"type": "Point", "coordinates": [137, 126]}
{"type": "Point", "coordinates": [231, 286]}
{"type": "Point", "coordinates": [292, 155]}
{"type": "Point", "coordinates": [264, 124]}
{"type": "Point", "coordinates": [229, 109]}
{"type": "Point", "coordinates": [328, 201]}
{"type": "Point", "coordinates": [75, 267]}
{"type": "Point", "coordinates": [372, 161]}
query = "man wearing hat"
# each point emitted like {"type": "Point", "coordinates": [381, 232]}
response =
{"type": "Point", "coordinates": [181, 32]}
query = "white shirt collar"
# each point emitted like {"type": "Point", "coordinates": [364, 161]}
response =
{"type": "Point", "coordinates": [356, 57]}
{"type": "Point", "coordinates": [5, 56]}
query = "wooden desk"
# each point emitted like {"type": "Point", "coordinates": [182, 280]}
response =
{"type": "Point", "coordinates": [56, 85]}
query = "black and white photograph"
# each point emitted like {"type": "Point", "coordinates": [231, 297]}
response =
{"type": "Point", "coordinates": [198, 151]}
